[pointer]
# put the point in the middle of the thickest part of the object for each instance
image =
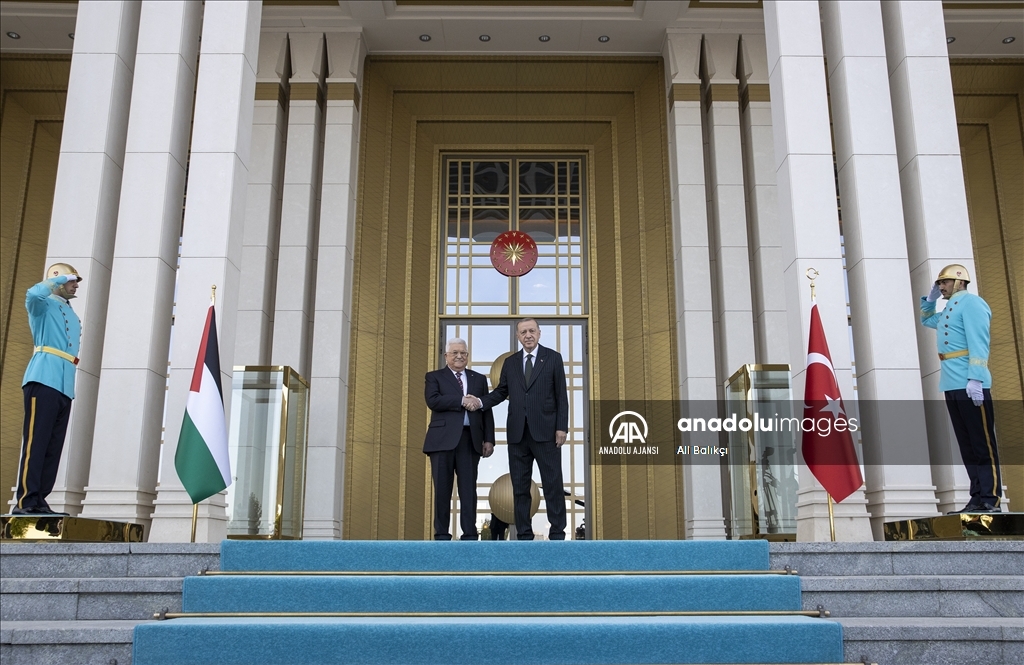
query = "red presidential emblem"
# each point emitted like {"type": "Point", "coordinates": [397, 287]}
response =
{"type": "Point", "coordinates": [513, 253]}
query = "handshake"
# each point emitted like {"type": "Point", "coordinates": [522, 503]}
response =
{"type": "Point", "coordinates": [471, 403]}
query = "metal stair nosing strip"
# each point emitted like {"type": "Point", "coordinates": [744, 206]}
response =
{"type": "Point", "coordinates": [819, 613]}
{"type": "Point", "coordinates": [479, 573]}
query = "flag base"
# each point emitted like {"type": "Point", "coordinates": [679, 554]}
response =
{"type": "Point", "coordinates": [36, 528]}
{"type": "Point", "coordinates": [964, 526]}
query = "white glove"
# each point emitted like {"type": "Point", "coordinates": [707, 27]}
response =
{"type": "Point", "coordinates": [934, 294]}
{"type": "Point", "coordinates": [974, 391]}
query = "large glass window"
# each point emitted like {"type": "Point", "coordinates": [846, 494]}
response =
{"type": "Point", "coordinates": [544, 197]}
{"type": "Point", "coordinates": [541, 197]}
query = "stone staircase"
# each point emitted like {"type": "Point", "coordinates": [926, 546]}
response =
{"type": "Point", "coordinates": [78, 604]}
{"type": "Point", "coordinates": [910, 603]}
{"type": "Point", "coordinates": [900, 603]}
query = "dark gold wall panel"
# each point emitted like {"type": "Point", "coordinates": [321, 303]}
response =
{"type": "Point", "coordinates": [415, 109]}
{"type": "Point", "coordinates": [33, 90]}
{"type": "Point", "coordinates": [988, 96]}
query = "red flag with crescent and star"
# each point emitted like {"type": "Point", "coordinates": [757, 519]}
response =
{"type": "Point", "coordinates": [827, 446]}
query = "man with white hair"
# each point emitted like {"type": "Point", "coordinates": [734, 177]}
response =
{"type": "Point", "coordinates": [48, 386]}
{"type": "Point", "coordinates": [456, 438]}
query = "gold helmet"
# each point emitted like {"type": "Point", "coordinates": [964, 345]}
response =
{"type": "Point", "coordinates": [58, 269]}
{"type": "Point", "coordinates": [954, 271]}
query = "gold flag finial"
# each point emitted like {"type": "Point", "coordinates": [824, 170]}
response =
{"type": "Point", "coordinates": [213, 294]}
{"type": "Point", "coordinates": [812, 274]}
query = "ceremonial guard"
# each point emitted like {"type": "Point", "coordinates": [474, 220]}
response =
{"type": "Point", "coordinates": [48, 386]}
{"type": "Point", "coordinates": [962, 336]}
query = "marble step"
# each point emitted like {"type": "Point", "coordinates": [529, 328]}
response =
{"type": "Point", "coordinates": [57, 560]}
{"type": "Point", "coordinates": [66, 642]}
{"type": "Point", "coordinates": [885, 641]}
{"type": "Point", "coordinates": [916, 595]}
{"type": "Point", "coordinates": [933, 640]}
{"type": "Point", "coordinates": [898, 558]}
{"type": "Point", "coordinates": [88, 599]}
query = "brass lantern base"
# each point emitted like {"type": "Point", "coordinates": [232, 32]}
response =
{"type": "Point", "coordinates": [964, 526]}
{"type": "Point", "coordinates": [41, 528]}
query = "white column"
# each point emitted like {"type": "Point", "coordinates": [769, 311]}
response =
{"type": "Point", "coordinates": [212, 240]}
{"type": "Point", "coordinates": [255, 328]}
{"type": "Point", "coordinates": [727, 207]}
{"type": "Point", "coordinates": [771, 334]}
{"type": "Point", "coordinates": [898, 476]}
{"type": "Point", "coordinates": [328, 405]}
{"type": "Point", "coordinates": [300, 212]}
{"type": "Point", "coordinates": [85, 201]}
{"type": "Point", "coordinates": [126, 449]}
{"type": "Point", "coordinates": [702, 484]}
{"type": "Point", "coordinates": [934, 200]}
{"type": "Point", "coordinates": [809, 222]}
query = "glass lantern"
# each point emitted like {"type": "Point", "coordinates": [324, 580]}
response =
{"type": "Point", "coordinates": [763, 475]}
{"type": "Point", "coordinates": [267, 442]}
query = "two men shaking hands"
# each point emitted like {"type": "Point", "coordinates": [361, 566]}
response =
{"type": "Point", "coordinates": [462, 430]}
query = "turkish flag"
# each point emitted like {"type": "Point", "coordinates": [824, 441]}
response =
{"type": "Point", "coordinates": [827, 445]}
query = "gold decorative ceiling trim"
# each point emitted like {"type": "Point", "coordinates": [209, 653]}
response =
{"type": "Point", "coordinates": [758, 92]}
{"type": "Point", "coordinates": [346, 92]}
{"type": "Point", "coordinates": [269, 92]}
{"type": "Point", "coordinates": [685, 92]}
{"type": "Point", "coordinates": [305, 92]}
{"type": "Point", "coordinates": [723, 92]}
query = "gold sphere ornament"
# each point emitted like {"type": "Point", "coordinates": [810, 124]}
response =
{"type": "Point", "coordinates": [502, 502]}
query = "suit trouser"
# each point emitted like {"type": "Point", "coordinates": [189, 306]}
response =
{"type": "Point", "coordinates": [976, 434]}
{"type": "Point", "coordinates": [46, 422]}
{"type": "Point", "coordinates": [462, 461]}
{"type": "Point", "coordinates": [520, 465]}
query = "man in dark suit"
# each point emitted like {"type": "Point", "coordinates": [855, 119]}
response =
{"type": "Point", "coordinates": [456, 438]}
{"type": "Point", "coordinates": [533, 381]}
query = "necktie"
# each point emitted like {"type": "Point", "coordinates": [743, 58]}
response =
{"type": "Point", "coordinates": [465, 413]}
{"type": "Point", "coordinates": [529, 366]}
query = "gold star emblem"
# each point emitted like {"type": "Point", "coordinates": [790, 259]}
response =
{"type": "Point", "coordinates": [514, 253]}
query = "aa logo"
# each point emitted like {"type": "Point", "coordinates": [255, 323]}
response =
{"type": "Point", "coordinates": [629, 429]}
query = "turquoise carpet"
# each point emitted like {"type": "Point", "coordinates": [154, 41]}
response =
{"type": "Point", "coordinates": [491, 603]}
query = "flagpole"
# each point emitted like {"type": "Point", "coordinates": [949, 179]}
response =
{"type": "Point", "coordinates": [812, 274]}
{"type": "Point", "coordinates": [831, 520]}
{"type": "Point", "coordinates": [195, 506]}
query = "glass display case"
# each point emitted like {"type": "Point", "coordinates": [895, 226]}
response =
{"type": "Point", "coordinates": [267, 439]}
{"type": "Point", "coordinates": [762, 473]}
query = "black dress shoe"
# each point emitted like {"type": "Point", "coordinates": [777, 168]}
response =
{"type": "Point", "coordinates": [34, 510]}
{"type": "Point", "coordinates": [986, 508]}
{"type": "Point", "coordinates": [47, 510]}
{"type": "Point", "coordinates": [969, 508]}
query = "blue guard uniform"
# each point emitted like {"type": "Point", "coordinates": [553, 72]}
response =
{"type": "Point", "coordinates": [962, 338]}
{"type": "Point", "coordinates": [48, 387]}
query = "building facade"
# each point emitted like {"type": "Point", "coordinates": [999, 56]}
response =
{"type": "Point", "coordinates": [338, 170]}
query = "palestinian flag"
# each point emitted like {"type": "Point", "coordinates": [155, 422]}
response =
{"type": "Point", "coordinates": [201, 459]}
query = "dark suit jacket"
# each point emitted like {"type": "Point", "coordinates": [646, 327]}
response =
{"type": "Point", "coordinates": [544, 403]}
{"type": "Point", "coordinates": [444, 398]}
